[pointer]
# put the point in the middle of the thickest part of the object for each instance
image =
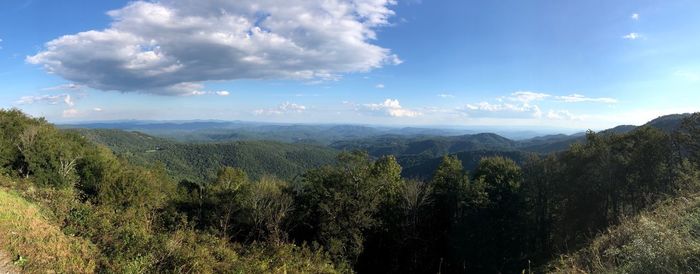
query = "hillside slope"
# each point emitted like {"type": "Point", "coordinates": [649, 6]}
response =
{"type": "Point", "coordinates": [663, 240]}
{"type": "Point", "coordinates": [6, 265]}
{"type": "Point", "coordinates": [36, 245]}
{"type": "Point", "coordinates": [222, 131]}
{"type": "Point", "coordinates": [200, 161]}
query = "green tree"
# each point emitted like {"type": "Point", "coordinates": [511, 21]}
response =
{"type": "Point", "coordinates": [456, 201]}
{"type": "Point", "coordinates": [338, 205]}
{"type": "Point", "coordinates": [690, 136]}
{"type": "Point", "coordinates": [226, 196]}
{"type": "Point", "coordinates": [501, 224]}
{"type": "Point", "coordinates": [268, 206]}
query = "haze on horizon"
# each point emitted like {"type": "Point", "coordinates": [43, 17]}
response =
{"type": "Point", "coordinates": [567, 64]}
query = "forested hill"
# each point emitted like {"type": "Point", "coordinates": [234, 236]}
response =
{"type": "Point", "coordinates": [436, 146]}
{"type": "Point", "coordinates": [199, 162]}
{"type": "Point", "coordinates": [417, 152]}
{"type": "Point", "coordinates": [220, 131]}
{"type": "Point", "coordinates": [105, 213]}
{"type": "Point", "coordinates": [667, 124]}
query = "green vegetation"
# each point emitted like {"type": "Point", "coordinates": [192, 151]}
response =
{"type": "Point", "coordinates": [663, 240]}
{"type": "Point", "coordinates": [35, 243]}
{"type": "Point", "coordinates": [252, 207]}
{"type": "Point", "coordinates": [221, 131]}
{"type": "Point", "coordinates": [106, 215]}
{"type": "Point", "coordinates": [200, 162]}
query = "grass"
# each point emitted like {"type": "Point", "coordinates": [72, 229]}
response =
{"type": "Point", "coordinates": [663, 240]}
{"type": "Point", "coordinates": [35, 244]}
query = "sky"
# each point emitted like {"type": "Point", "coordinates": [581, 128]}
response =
{"type": "Point", "coordinates": [540, 63]}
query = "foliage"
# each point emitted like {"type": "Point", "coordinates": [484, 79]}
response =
{"type": "Point", "coordinates": [338, 204]}
{"type": "Point", "coordinates": [121, 211]}
{"type": "Point", "coordinates": [200, 163]}
{"type": "Point", "coordinates": [662, 240]}
{"type": "Point", "coordinates": [37, 243]}
{"type": "Point", "coordinates": [103, 214]}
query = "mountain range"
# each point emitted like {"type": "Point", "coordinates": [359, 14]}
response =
{"type": "Point", "coordinates": [287, 150]}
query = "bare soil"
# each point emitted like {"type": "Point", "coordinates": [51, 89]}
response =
{"type": "Point", "coordinates": [6, 266]}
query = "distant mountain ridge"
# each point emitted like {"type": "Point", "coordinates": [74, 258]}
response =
{"type": "Point", "coordinates": [667, 123]}
{"type": "Point", "coordinates": [197, 162]}
{"type": "Point", "coordinates": [221, 131]}
{"type": "Point", "coordinates": [297, 147]}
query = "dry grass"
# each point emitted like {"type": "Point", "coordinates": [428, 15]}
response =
{"type": "Point", "coordinates": [35, 244]}
{"type": "Point", "coordinates": [664, 240]}
{"type": "Point", "coordinates": [6, 265]}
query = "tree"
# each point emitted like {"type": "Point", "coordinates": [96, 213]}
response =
{"type": "Point", "coordinates": [690, 136]}
{"type": "Point", "coordinates": [338, 205]}
{"type": "Point", "coordinates": [540, 181]}
{"type": "Point", "coordinates": [455, 201]}
{"type": "Point", "coordinates": [13, 124]}
{"type": "Point", "coordinates": [501, 224]}
{"type": "Point", "coordinates": [268, 205]}
{"type": "Point", "coordinates": [227, 194]}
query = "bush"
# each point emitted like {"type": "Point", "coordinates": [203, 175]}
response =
{"type": "Point", "coordinates": [665, 240]}
{"type": "Point", "coordinates": [27, 234]}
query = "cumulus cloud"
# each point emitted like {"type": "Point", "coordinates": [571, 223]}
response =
{"type": "Point", "coordinates": [635, 16]}
{"type": "Point", "coordinates": [49, 99]}
{"type": "Point", "coordinates": [518, 104]}
{"type": "Point", "coordinates": [577, 98]}
{"type": "Point", "coordinates": [503, 110]}
{"type": "Point", "coordinates": [283, 108]}
{"type": "Point", "coordinates": [393, 108]}
{"type": "Point", "coordinates": [562, 115]}
{"type": "Point", "coordinates": [522, 104]}
{"type": "Point", "coordinates": [97, 109]}
{"type": "Point", "coordinates": [171, 46]}
{"type": "Point", "coordinates": [632, 36]}
{"type": "Point", "coordinates": [445, 95]}
{"type": "Point", "coordinates": [379, 86]}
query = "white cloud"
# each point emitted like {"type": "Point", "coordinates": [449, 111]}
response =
{"type": "Point", "coordinates": [635, 16]}
{"type": "Point", "coordinates": [70, 113]}
{"type": "Point", "coordinates": [203, 92]}
{"type": "Point", "coordinates": [577, 98]}
{"type": "Point", "coordinates": [283, 108]}
{"type": "Point", "coordinates": [379, 86]}
{"type": "Point", "coordinates": [393, 108]}
{"type": "Point", "coordinates": [445, 95]}
{"type": "Point", "coordinates": [521, 104]}
{"type": "Point", "coordinates": [527, 96]}
{"type": "Point", "coordinates": [171, 46]}
{"type": "Point", "coordinates": [562, 115]}
{"type": "Point", "coordinates": [505, 110]}
{"type": "Point", "coordinates": [97, 109]}
{"type": "Point", "coordinates": [0, 42]}
{"type": "Point", "coordinates": [66, 87]}
{"type": "Point", "coordinates": [632, 36]}
{"type": "Point", "coordinates": [49, 99]}
{"type": "Point", "coordinates": [520, 107]}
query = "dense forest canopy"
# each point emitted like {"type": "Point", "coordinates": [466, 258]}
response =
{"type": "Point", "coordinates": [271, 207]}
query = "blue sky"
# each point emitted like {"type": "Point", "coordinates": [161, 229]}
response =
{"type": "Point", "coordinates": [570, 64]}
